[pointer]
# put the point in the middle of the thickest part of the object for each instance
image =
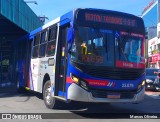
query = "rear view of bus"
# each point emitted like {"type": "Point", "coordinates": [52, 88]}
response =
{"type": "Point", "coordinates": [106, 57]}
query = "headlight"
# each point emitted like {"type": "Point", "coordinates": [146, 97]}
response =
{"type": "Point", "coordinates": [149, 81]}
{"type": "Point", "coordinates": [79, 81]}
{"type": "Point", "coordinates": [74, 78]}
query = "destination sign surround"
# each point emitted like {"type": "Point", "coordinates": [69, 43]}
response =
{"type": "Point", "coordinates": [110, 19]}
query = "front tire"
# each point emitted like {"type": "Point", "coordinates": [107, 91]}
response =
{"type": "Point", "coordinates": [49, 101]}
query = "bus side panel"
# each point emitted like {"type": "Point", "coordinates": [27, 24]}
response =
{"type": "Point", "coordinates": [35, 73]}
{"type": "Point", "coordinates": [46, 72]}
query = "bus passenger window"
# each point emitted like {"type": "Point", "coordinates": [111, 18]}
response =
{"type": "Point", "coordinates": [43, 44]}
{"type": "Point", "coordinates": [43, 37]}
{"type": "Point", "coordinates": [52, 33]}
{"type": "Point", "coordinates": [51, 48]}
{"type": "Point", "coordinates": [36, 39]}
{"type": "Point", "coordinates": [42, 50]}
{"type": "Point", "coordinates": [35, 52]}
{"type": "Point", "coordinates": [51, 41]}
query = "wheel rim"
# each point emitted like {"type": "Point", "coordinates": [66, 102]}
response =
{"type": "Point", "coordinates": [48, 95]}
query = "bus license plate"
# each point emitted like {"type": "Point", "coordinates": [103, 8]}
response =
{"type": "Point", "coordinates": [113, 96]}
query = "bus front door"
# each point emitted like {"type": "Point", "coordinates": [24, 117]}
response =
{"type": "Point", "coordinates": [61, 64]}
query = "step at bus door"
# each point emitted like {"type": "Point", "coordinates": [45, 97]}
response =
{"type": "Point", "coordinates": [61, 64]}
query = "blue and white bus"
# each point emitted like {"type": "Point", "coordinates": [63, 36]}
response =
{"type": "Point", "coordinates": [87, 55]}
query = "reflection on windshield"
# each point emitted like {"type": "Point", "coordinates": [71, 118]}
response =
{"type": "Point", "coordinates": [131, 49]}
{"type": "Point", "coordinates": [93, 46]}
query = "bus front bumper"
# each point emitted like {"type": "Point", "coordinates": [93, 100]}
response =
{"type": "Point", "coordinates": [77, 93]}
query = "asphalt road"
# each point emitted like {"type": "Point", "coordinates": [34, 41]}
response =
{"type": "Point", "coordinates": [12, 102]}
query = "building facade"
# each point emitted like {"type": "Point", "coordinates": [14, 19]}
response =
{"type": "Point", "coordinates": [17, 19]}
{"type": "Point", "coordinates": [151, 17]}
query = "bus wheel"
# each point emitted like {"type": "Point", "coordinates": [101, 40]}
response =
{"type": "Point", "coordinates": [49, 101]}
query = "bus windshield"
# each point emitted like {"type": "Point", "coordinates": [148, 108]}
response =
{"type": "Point", "coordinates": [93, 46]}
{"type": "Point", "coordinates": [101, 47]}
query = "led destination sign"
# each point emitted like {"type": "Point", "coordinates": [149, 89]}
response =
{"type": "Point", "coordinates": [110, 19]}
